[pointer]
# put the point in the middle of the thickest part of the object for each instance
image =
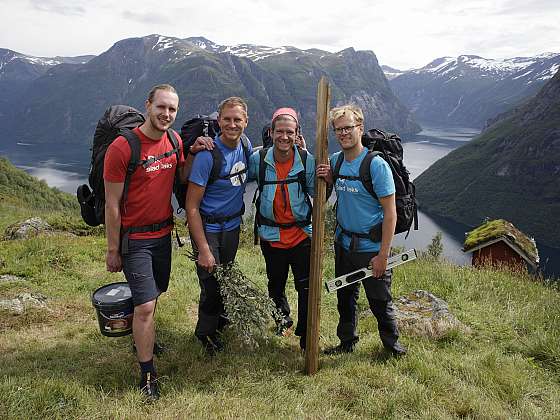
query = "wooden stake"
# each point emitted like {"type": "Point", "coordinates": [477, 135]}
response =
{"type": "Point", "coordinates": [319, 204]}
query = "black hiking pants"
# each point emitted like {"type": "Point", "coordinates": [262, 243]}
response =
{"type": "Point", "coordinates": [378, 293]}
{"type": "Point", "coordinates": [211, 313]}
{"type": "Point", "coordinates": [278, 262]}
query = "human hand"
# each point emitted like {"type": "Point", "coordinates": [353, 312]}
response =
{"type": "Point", "coordinates": [113, 261]}
{"type": "Point", "coordinates": [201, 143]}
{"type": "Point", "coordinates": [378, 265]}
{"type": "Point", "coordinates": [324, 171]}
{"type": "Point", "coordinates": [207, 261]}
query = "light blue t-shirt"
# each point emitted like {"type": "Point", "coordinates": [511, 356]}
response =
{"type": "Point", "coordinates": [224, 197]}
{"type": "Point", "coordinates": [357, 210]}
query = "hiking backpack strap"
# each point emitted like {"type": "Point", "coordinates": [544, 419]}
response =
{"type": "Point", "coordinates": [171, 135]}
{"type": "Point", "coordinates": [134, 143]}
{"type": "Point", "coordinates": [302, 178]}
{"type": "Point", "coordinates": [245, 146]}
{"type": "Point", "coordinates": [337, 165]}
{"type": "Point", "coordinates": [365, 173]}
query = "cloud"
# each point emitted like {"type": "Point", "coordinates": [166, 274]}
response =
{"type": "Point", "coordinates": [402, 34]}
{"type": "Point", "coordinates": [146, 17]}
{"type": "Point", "coordinates": [60, 7]}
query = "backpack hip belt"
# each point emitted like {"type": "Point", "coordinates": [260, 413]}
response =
{"type": "Point", "coordinates": [374, 235]}
{"type": "Point", "coordinates": [261, 220]}
{"type": "Point", "coordinates": [125, 232]}
{"type": "Point", "coordinates": [210, 219]}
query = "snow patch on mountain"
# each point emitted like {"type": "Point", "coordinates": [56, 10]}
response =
{"type": "Point", "coordinates": [549, 73]}
{"type": "Point", "coordinates": [250, 51]}
{"type": "Point", "coordinates": [164, 43]}
{"type": "Point", "coordinates": [455, 67]}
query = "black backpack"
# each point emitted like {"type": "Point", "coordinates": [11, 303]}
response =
{"type": "Point", "coordinates": [118, 120]}
{"type": "Point", "coordinates": [261, 182]}
{"type": "Point", "coordinates": [207, 125]}
{"type": "Point", "coordinates": [389, 147]}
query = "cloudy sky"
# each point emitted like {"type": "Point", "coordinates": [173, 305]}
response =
{"type": "Point", "coordinates": [403, 34]}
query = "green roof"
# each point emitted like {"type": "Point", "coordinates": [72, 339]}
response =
{"type": "Point", "coordinates": [493, 230]}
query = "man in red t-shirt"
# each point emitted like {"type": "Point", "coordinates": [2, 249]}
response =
{"type": "Point", "coordinates": [284, 215]}
{"type": "Point", "coordinates": [139, 230]}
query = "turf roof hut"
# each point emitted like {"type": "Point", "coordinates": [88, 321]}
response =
{"type": "Point", "coordinates": [499, 242]}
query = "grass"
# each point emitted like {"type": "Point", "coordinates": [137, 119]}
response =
{"type": "Point", "coordinates": [56, 364]}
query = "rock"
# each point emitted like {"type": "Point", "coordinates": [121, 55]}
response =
{"type": "Point", "coordinates": [23, 301]}
{"type": "Point", "coordinates": [12, 305]}
{"type": "Point", "coordinates": [423, 314]}
{"type": "Point", "coordinates": [27, 229]}
{"type": "Point", "coordinates": [9, 277]}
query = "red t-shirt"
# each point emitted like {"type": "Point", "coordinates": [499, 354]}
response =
{"type": "Point", "coordinates": [292, 236]}
{"type": "Point", "coordinates": [149, 193]}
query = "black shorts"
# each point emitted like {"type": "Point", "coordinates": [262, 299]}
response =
{"type": "Point", "coordinates": [146, 266]}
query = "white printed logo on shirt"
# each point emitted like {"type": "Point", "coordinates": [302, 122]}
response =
{"type": "Point", "coordinates": [156, 166]}
{"type": "Point", "coordinates": [237, 180]}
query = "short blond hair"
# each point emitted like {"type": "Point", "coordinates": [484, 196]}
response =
{"type": "Point", "coordinates": [346, 110]}
{"type": "Point", "coordinates": [231, 102]}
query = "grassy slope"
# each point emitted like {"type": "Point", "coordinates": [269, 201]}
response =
{"type": "Point", "coordinates": [55, 363]}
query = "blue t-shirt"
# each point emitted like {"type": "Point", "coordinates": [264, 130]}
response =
{"type": "Point", "coordinates": [224, 197]}
{"type": "Point", "coordinates": [357, 210]}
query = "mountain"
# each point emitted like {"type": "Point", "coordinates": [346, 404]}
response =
{"type": "Point", "coordinates": [468, 90]}
{"type": "Point", "coordinates": [391, 72]}
{"type": "Point", "coordinates": [64, 102]}
{"type": "Point", "coordinates": [510, 171]}
{"type": "Point", "coordinates": [18, 70]}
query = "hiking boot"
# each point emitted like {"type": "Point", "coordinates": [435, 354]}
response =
{"type": "Point", "coordinates": [283, 327]}
{"type": "Point", "coordinates": [212, 344]}
{"type": "Point", "coordinates": [159, 349]}
{"type": "Point", "coordinates": [397, 350]}
{"type": "Point", "coordinates": [344, 347]}
{"type": "Point", "coordinates": [149, 386]}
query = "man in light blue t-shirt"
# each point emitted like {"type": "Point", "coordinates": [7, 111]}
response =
{"type": "Point", "coordinates": [214, 206]}
{"type": "Point", "coordinates": [365, 230]}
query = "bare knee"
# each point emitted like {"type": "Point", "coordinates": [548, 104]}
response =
{"type": "Point", "coordinates": [145, 311]}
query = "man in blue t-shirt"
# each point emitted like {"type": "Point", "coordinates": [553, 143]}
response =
{"type": "Point", "coordinates": [214, 207]}
{"type": "Point", "coordinates": [365, 229]}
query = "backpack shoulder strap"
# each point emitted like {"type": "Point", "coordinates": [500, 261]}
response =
{"type": "Point", "coordinates": [245, 146]}
{"type": "Point", "coordinates": [134, 143]}
{"type": "Point", "coordinates": [171, 135]}
{"type": "Point", "coordinates": [217, 161]}
{"type": "Point", "coordinates": [302, 176]}
{"type": "Point", "coordinates": [262, 169]}
{"type": "Point", "coordinates": [173, 139]}
{"type": "Point", "coordinates": [365, 172]}
{"type": "Point", "coordinates": [337, 165]}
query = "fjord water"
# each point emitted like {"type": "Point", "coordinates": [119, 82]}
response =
{"type": "Point", "coordinates": [67, 167]}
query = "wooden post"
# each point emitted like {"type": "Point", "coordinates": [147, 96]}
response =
{"type": "Point", "coordinates": [319, 204]}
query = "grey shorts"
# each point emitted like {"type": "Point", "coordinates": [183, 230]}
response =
{"type": "Point", "coordinates": [146, 266]}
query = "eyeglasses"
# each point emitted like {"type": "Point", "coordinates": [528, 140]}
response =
{"type": "Point", "coordinates": [347, 129]}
